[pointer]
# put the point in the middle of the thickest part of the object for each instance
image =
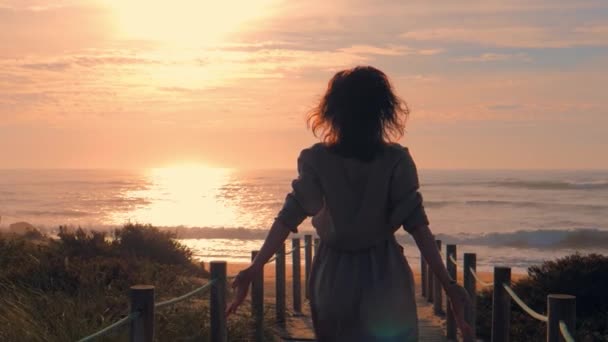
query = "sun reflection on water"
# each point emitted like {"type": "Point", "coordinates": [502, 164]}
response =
{"type": "Point", "coordinates": [184, 195]}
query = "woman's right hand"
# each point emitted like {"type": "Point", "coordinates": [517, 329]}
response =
{"type": "Point", "coordinates": [460, 300]}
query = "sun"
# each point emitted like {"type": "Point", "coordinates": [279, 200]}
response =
{"type": "Point", "coordinates": [185, 21]}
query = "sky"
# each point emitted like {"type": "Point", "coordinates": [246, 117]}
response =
{"type": "Point", "coordinates": [150, 83]}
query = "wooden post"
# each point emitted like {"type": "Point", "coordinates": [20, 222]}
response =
{"type": "Point", "coordinates": [297, 287]}
{"type": "Point", "coordinates": [453, 273]}
{"type": "Point", "coordinates": [430, 287]}
{"type": "Point", "coordinates": [307, 261]}
{"type": "Point", "coordinates": [501, 305]}
{"type": "Point", "coordinates": [470, 262]}
{"type": "Point", "coordinates": [560, 307]}
{"type": "Point", "coordinates": [437, 291]}
{"type": "Point", "coordinates": [217, 302]}
{"type": "Point", "coordinates": [142, 301]}
{"type": "Point", "coordinates": [423, 275]}
{"type": "Point", "coordinates": [257, 302]}
{"type": "Point", "coordinates": [280, 285]}
{"type": "Point", "coordinates": [317, 242]}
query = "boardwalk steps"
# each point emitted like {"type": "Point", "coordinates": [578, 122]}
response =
{"type": "Point", "coordinates": [431, 328]}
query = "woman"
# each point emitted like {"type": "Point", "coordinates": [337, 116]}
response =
{"type": "Point", "coordinates": [360, 188]}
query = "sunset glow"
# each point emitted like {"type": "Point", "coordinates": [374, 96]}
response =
{"type": "Point", "coordinates": [139, 84]}
{"type": "Point", "coordinates": [185, 193]}
{"type": "Point", "coordinates": [185, 22]}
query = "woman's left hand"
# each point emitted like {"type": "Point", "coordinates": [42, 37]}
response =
{"type": "Point", "coordinates": [460, 300]}
{"type": "Point", "coordinates": [241, 286]}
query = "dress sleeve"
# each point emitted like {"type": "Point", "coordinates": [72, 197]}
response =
{"type": "Point", "coordinates": [406, 200]}
{"type": "Point", "coordinates": [305, 199]}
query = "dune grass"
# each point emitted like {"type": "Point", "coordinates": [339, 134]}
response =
{"type": "Point", "coordinates": [67, 288]}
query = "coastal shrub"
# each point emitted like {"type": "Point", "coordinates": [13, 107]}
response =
{"type": "Point", "coordinates": [150, 242]}
{"type": "Point", "coordinates": [66, 288]}
{"type": "Point", "coordinates": [584, 276]}
{"type": "Point", "coordinates": [82, 243]}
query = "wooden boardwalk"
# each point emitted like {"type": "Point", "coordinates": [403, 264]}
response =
{"type": "Point", "coordinates": [431, 327]}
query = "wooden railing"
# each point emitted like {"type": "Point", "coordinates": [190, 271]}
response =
{"type": "Point", "coordinates": [143, 305]}
{"type": "Point", "coordinates": [560, 316]}
{"type": "Point", "coordinates": [561, 308]}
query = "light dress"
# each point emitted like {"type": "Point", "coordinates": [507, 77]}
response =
{"type": "Point", "coordinates": [361, 286]}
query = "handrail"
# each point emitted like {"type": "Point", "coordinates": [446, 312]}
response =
{"type": "Point", "coordinates": [523, 305]}
{"type": "Point", "coordinates": [287, 253]}
{"type": "Point", "coordinates": [135, 315]}
{"type": "Point", "coordinates": [111, 327]}
{"type": "Point", "coordinates": [271, 259]}
{"type": "Point", "coordinates": [474, 274]}
{"type": "Point", "coordinates": [291, 251]}
{"type": "Point", "coordinates": [453, 260]}
{"type": "Point", "coordinates": [185, 296]}
{"type": "Point", "coordinates": [563, 328]}
{"type": "Point", "coordinates": [558, 306]}
{"type": "Point", "coordinates": [142, 295]}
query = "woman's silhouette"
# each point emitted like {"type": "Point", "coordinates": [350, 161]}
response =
{"type": "Point", "coordinates": [360, 188]}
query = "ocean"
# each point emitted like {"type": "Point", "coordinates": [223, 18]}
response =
{"type": "Point", "coordinates": [509, 218]}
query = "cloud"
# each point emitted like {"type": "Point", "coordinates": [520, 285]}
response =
{"type": "Point", "coordinates": [514, 36]}
{"type": "Point", "coordinates": [496, 57]}
{"type": "Point", "coordinates": [93, 61]}
{"type": "Point", "coordinates": [504, 107]}
{"type": "Point", "coordinates": [52, 66]}
{"type": "Point", "coordinates": [37, 5]}
{"type": "Point", "coordinates": [391, 50]}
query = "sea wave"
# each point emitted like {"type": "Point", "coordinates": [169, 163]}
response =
{"type": "Point", "coordinates": [547, 238]}
{"type": "Point", "coordinates": [528, 184]}
{"type": "Point", "coordinates": [516, 204]}
{"type": "Point", "coordinates": [551, 185]}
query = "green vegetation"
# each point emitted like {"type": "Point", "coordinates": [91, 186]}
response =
{"type": "Point", "coordinates": [584, 276]}
{"type": "Point", "coordinates": [67, 288]}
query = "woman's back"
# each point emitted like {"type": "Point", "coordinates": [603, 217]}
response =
{"type": "Point", "coordinates": [359, 189]}
{"type": "Point", "coordinates": [356, 203]}
{"type": "Point", "coordinates": [361, 285]}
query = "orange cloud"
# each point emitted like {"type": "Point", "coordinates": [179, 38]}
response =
{"type": "Point", "coordinates": [514, 36]}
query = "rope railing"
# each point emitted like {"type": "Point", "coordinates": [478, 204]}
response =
{"type": "Point", "coordinates": [286, 253]}
{"type": "Point", "coordinates": [523, 305]}
{"type": "Point", "coordinates": [474, 274]}
{"type": "Point", "coordinates": [563, 328]}
{"type": "Point", "coordinates": [561, 308]}
{"type": "Point", "coordinates": [185, 296]}
{"type": "Point", "coordinates": [291, 250]}
{"type": "Point", "coordinates": [111, 327]}
{"type": "Point", "coordinates": [452, 260]}
{"type": "Point", "coordinates": [143, 304]}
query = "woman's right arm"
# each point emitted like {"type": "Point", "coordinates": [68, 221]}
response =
{"type": "Point", "coordinates": [428, 248]}
{"type": "Point", "coordinates": [459, 297]}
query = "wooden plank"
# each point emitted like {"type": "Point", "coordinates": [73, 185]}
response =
{"type": "Point", "coordinates": [431, 328]}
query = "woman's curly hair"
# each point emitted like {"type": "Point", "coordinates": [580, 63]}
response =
{"type": "Point", "coordinates": [359, 113]}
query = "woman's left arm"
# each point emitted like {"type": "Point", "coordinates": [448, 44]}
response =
{"type": "Point", "coordinates": [274, 240]}
{"type": "Point", "coordinates": [276, 237]}
{"type": "Point", "coordinates": [305, 200]}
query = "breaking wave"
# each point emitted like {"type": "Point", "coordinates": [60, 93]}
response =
{"type": "Point", "coordinates": [551, 185]}
{"type": "Point", "coordinates": [550, 238]}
